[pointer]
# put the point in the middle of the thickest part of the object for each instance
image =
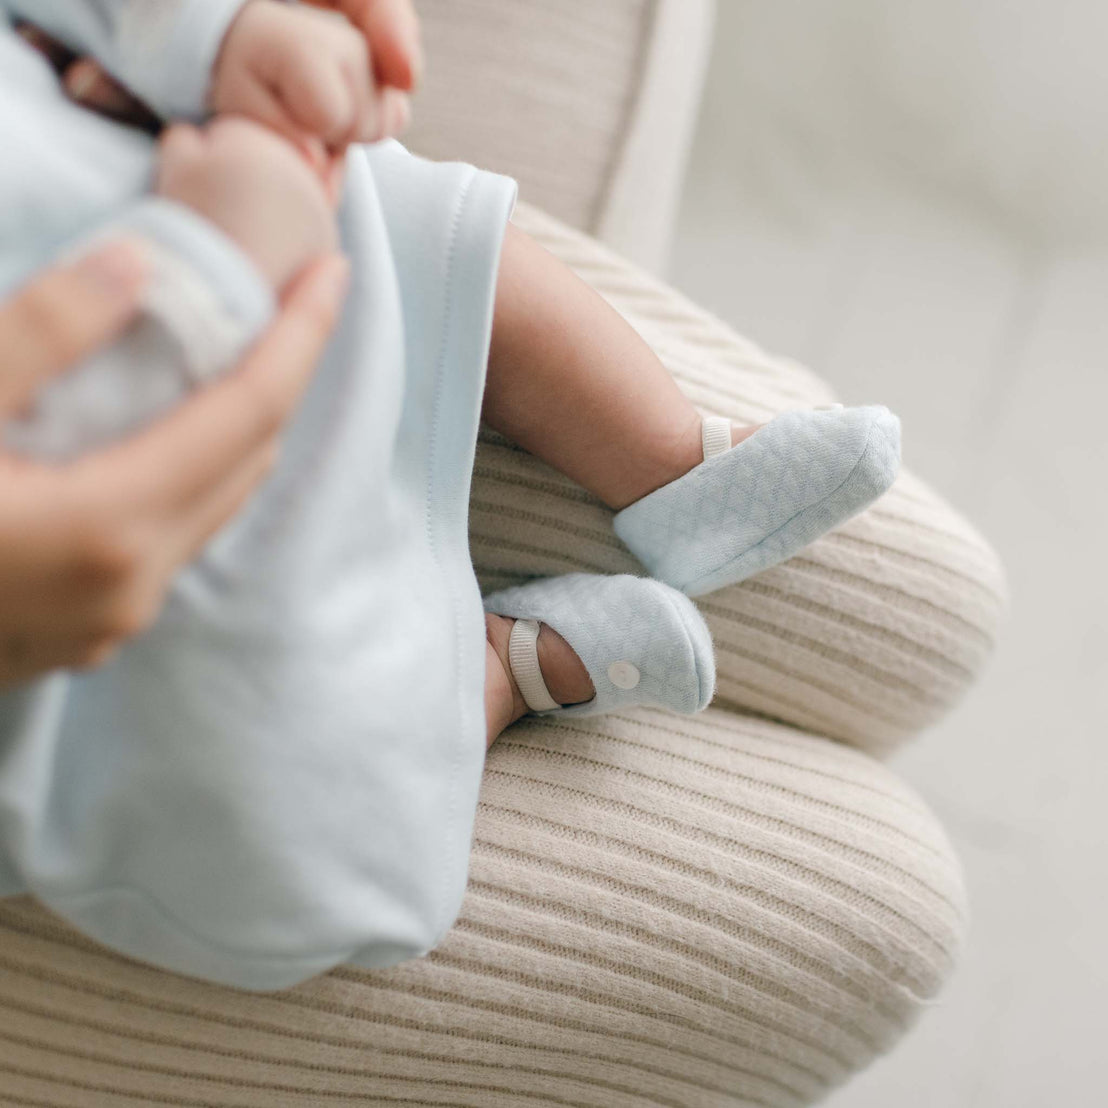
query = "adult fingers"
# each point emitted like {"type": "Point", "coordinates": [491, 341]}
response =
{"type": "Point", "coordinates": [87, 83]}
{"type": "Point", "coordinates": [218, 507]}
{"type": "Point", "coordinates": [27, 655]}
{"type": "Point", "coordinates": [173, 464]}
{"type": "Point", "coordinates": [66, 314]}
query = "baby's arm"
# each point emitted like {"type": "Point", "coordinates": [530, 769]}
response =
{"type": "Point", "coordinates": [164, 50]}
{"type": "Point", "coordinates": [300, 71]}
{"type": "Point", "coordinates": [237, 215]}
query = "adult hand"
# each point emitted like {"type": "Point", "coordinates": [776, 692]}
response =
{"type": "Point", "coordinates": [88, 548]}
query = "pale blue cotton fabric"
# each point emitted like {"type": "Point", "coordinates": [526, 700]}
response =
{"type": "Point", "coordinates": [283, 774]}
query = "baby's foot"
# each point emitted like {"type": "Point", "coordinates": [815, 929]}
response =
{"type": "Point", "coordinates": [761, 494]}
{"type": "Point", "coordinates": [584, 644]}
{"type": "Point", "coordinates": [564, 673]}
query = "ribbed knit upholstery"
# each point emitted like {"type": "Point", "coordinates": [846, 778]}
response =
{"type": "Point", "coordinates": [698, 914]}
{"type": "Point", "coordinates": [871, 634]}
{"type": "Point", "coordinates": [712, 912]}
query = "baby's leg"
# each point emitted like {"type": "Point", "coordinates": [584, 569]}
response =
{"type": "Point", "coordinates": [571, 382]}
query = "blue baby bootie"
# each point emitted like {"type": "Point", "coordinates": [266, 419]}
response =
{"type": "Point", "coordinates": [748, 507]}
{"type": "Point", "coordinates": [641, 641]}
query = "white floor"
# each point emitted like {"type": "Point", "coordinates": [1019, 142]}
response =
{"type": "Point", "coordinates": [993, 347]}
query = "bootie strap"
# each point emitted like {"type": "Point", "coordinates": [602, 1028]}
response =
{"type": "Point", "coordinates": [523, 658]}
{"type": "Point", "coordinates": [715, 434]}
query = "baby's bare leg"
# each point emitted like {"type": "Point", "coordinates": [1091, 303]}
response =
{"type": "Point", "coordinates": [570, 381]}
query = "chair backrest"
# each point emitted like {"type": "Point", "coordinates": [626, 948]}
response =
{"type": "Point", "coordinates": [589, 105]}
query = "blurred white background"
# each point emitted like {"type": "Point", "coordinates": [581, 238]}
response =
{"type": "Point", "coordinates": [911, 199]}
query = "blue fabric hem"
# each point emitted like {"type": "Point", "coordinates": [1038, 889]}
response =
{"type": "Point", "coordinates": [485, 203]}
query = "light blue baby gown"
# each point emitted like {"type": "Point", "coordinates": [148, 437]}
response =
{"type": "Point", "coordinates": [282, 774]}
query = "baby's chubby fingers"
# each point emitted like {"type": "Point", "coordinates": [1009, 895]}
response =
{"type": "Point", "coordinates": [391, 28]}
{"type": "Point", "coordinates": [335, 99]}
{"type": "Point", "coordinates": [303, 73]}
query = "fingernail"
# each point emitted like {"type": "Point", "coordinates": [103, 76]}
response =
{"type": "Point", "coordinates": [118, 268]}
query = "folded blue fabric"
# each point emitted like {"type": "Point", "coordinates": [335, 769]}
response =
{"type": "Point", "coordinates": [266, 784]}
{"type": "Point", "coordinates": [763, 500]}
{"type": "Point", "coordinates": [641, 641]}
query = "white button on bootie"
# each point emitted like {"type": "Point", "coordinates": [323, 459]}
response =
{"type": "Point", "coordinates": [641, 642]}
{"type": "Point", "coordinates": [750, 506]}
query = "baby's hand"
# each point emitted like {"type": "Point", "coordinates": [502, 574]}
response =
{"type": "Point", "coordinates": [391, 27]}
{"type": "Point", "coordinates": [255, 187]}
{"type": "Point", "coordinates": [306, 74]}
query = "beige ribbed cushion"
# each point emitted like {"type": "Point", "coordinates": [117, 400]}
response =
{"type": "Point", "coordinates": [698, 914]}
{"type": "Point", "coordinates": [869, 635]}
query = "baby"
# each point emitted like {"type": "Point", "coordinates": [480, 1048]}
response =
{"type": "Point", "coordinates": [281, 774]}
